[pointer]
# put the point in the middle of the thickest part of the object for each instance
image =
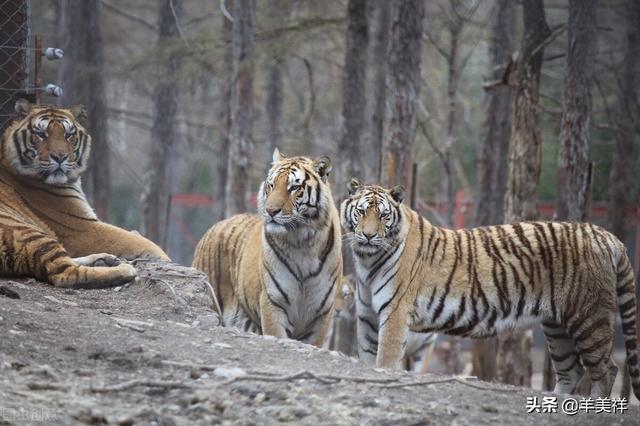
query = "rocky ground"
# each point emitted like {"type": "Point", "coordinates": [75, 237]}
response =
{"type": "Point", "coordinates": [151, 353]}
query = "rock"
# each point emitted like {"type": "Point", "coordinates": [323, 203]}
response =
{"type": "Point", "coordinates": [7, 292]}
{"type": "Point", "coordinates": [229, 372]}
{"type": "Point", "coordinates": [206, 322]}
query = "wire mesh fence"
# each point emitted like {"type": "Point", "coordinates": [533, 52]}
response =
{"type": "Point", "coordinates": [14, 56]}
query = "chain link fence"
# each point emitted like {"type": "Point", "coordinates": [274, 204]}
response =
{"type": "Point", "coordinates": [14, 56]}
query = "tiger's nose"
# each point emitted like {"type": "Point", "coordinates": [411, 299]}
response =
{"type": "Point", "coordinates": [369, 236]}
{"type": "Point", "coordinates": [273, 212]}
{"type": "Point", "coordinates": [58, 158]}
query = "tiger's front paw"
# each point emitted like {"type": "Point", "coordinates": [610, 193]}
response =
{"type": "Point", "coordinates": [98, 259]}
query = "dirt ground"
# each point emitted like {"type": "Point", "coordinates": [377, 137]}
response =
{"type": "Point", "coordinates": [151, 353]}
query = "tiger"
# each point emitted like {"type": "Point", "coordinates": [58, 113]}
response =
{"type": "Point", "coordinates": [479, 282]}
{"type": "Point", "coordinates": [48, 230]}
{"type": "Point", "coordinates": [276, 272]}
{"type": "Point", "coordinates": [417, 352]}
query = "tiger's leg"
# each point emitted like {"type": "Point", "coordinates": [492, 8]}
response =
{"type": "Point", "coordinates": [565, 358]}
{"type": "Point", "coordinates": [320, 329]}
{"type": "Point", "coordinates": [98, 236]}
{"type": "Point", "coordinates": [35, 253]}
{"type": "Point", "coordinates": [234, 316]}
{"type": "Point", "coordinates": [367, 327]}
{"type": "Point", "coordinates": [427, 353]}
{"type": "Point", "coordinates": [98, 259]}
{"type": "Point", "coordinates": [392, 339]}
{"type": "Point", "coordinates": [272, 321]}
{"type": "Point", "coordinates": [594, 341]}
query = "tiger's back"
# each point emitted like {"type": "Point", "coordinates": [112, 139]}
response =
{"type": "Point", "coordinates": [221, 253]}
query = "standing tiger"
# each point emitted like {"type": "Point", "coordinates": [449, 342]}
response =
{"type": "Point", "coordinates": [414, 276]}
{"type": "Point", "coordinates": [276, 273]}
{"type": "Point", "coordinates": [417, 352]}
{"type": "Point", "coordinates": [47, 229]}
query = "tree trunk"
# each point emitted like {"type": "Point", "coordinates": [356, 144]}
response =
{"type": "Point", "coordinates": [83, 82]}
{"type": "Point", "coordinates": [514, 352]}
{"type": "Point", "coordinates": [574, 171]}
{"type": "Point", "coordinates": [273, 72]}
{"type": "Point", "coordinates": [403, 88]}
{"type": "Point", "coordinates": [492, 164]}
{"type": "Point", "coordinates": [379, 46]}
{"type": "Point", "coordinates": [241, 144]}
{"type": "Point", "coordinates": [620, 180]}
{"type": "Point", "coordinates": [224, 125]}
{"type": "Point", "coordinates": [353, 95]}
{"type": "Point", "coordinates": [156, 203]}
{"type": "Point", "coordinates": [624, 154]}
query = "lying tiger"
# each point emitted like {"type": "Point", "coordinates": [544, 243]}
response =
{"type": "Point", "coordinates": [47, 229]}
{"type": "Point", "coordinates": [478, 282]}
{"type": "Point", "coordinates": [276, 273]}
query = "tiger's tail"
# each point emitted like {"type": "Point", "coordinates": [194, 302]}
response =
{"type": "Point", "coordinates": [626, 293]}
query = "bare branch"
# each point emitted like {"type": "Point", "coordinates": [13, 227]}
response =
{"type": "Point", "coordinates": [225, 12]}
{"type": "Point", "coordinates": [177, 22]}
{"type": "Point", "coordinates": [554, 33]}
{"type": "Point", "coordinates": [129, 16]}
{"type": "Point", "coordinates": [139, 382]}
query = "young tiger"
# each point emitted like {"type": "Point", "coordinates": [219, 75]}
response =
{"type": "Point", "coordinates": [47, 229]}
{"type": "Point", "coordinates": [276, 272]}
{"type": "Point", "coordinates": [414, 276]}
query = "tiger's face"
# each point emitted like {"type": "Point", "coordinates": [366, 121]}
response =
{"type": "Point", "coordinates": [372, 215]}
{"type": "Point", "coordinates": [295, 193]}
{"type": "Point", "coordinates": [48, 143]}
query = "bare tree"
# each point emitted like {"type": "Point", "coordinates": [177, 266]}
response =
{"type": "Point", "coordinates": [241, 143]}
{"type": "Point", "coordinates": [492, 157]}
{"type": "Point", "coordinates": [403, 88]}
{"type": "Point", "coordinates": [273, 73]}
{"type": "Point", "coordinates": [157, 197]}
{"type": "Point", "coordinates": [574, 169]}
{"type": "Point", "coordinates": [514, 353]}
{"type": "Point", "coordinates": [625, 117]}
{"type": "Point", "coordinates": [83, 82]}
{"type": "Point", "coordinates": [624, 153]}
{"type": "Point", "coordinates": [379, 33]}
{"type": "Point", "coordinates": [353, 93]}
{"type": "Point", "coordinates": [224, 124]}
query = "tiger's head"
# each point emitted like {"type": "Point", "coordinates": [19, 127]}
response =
{"type": "Point", "coordinates": [47, 143]}
{"type": "Point", "coordinates": [372, 216]}
{"type": "Point", "coordinates": [295, 193]}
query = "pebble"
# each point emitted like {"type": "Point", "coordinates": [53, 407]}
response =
{"type": "Point", "coordinates": [260, 397]}
{"type": "Point", "coordinates": [207, 340]}
{"type": "Point", "coordinates": [229, 372]}
{"type": "Point", "coordinates": [222, 345]}
{"type": "Point", "coordinates": [53, 299]}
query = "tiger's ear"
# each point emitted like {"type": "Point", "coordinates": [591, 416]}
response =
{"type": "Point", "coordinates": [22, 107]}
{"type": "Point", "coordinates": [397, 193]}
{"type": "Point", "coordinates": [80, 113]}
{"type": "Point", "coordinates": [353, 186]}
{"type": "Point", "coordinates": [277, 157]}
{"type": "Point", "coordinates": [322, 166]}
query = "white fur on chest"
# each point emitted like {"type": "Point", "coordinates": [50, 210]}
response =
{"type": "Point", "coordinates": [381, 286]}
{"type": "Point", "coordinates": [303, 282]}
